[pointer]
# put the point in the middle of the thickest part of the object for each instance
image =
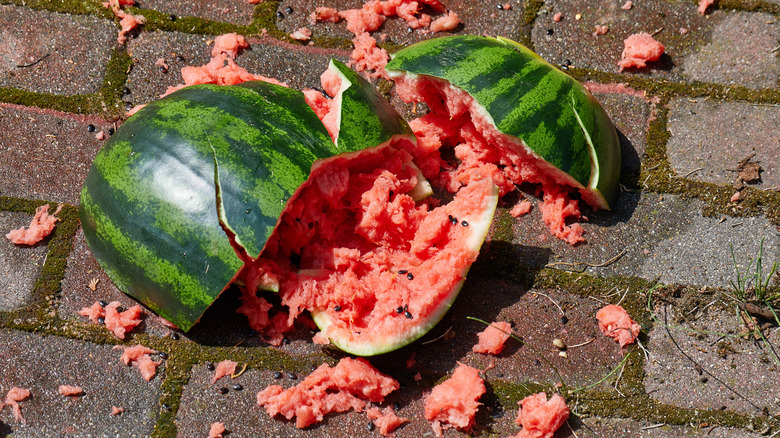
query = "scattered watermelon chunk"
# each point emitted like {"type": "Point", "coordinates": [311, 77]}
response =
{"type": "Point", "coordinates": [138, 356]}
{"type": "Point", "coordinates": [216, 430]}
{"type": "Point", "coordinates": [454, 402]}
{"type": "Point", "coordinates": [615, 322]}
{"type": "Point", "coordinates": [492, 339]}
{"type": "Point", "coordinates": [12, 399]}
{"type": "Point", "coordinates": [42, 225]}
{"type": "Point", "coordinates": [703, 5]}
{"type": "Point", "coordinates": [349, 385]}
{"type": "Point", "coordinates": [386, 419]}
{"type": "Point", "coordinates": [119, 323]}
{"type": "Point", "coordinates": [116, 410]}
{"type": "Point", "coordinates": [70, 391]}
{"type": "Point", "coordinates": [539, 417]}
{"type": "Point", "coordinates": [224, 368]}
{"type": "Point", "coordinates": [639, 49]}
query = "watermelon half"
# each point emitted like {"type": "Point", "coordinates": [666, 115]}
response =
{"type": "Point", "coordinates": [162, 192]}
{"type": "Point", "coordinates": [508, 115]}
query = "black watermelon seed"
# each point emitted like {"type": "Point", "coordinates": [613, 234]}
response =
{"type": "Point", "coordinates": [409, 30]}
{"type": "Point", "coordinates": [292, 376]}
{"type": "Point", "coordinates": [337, 308]}
{"type": "Point", "coordinates": [111, 132]}
{"type": "Point", "coordinates": [103, 303]}
{"type": "Point", "coordinates": [465, 224]}
{"type": "Point", "coordinates": [223, 390]}
{"type": "Point", "coordinates": [163, 355]}
{"type": "Point", "coordinates": [279, 15]}
{"type": "Point", "coordinates": [175, 336]}
{"type": "Point", "coordinates": [564, 319]}
{"type": "Point", "coordinates": [567, 63]}
{"type": "Point", "coordinates": [370, 426]}
{"type": "Point", "coordinates": [311, 225]}
{"type": "Point", "coordinates": [277, 375]}
{"type": "Point", "coordinates": [550, 31]}
{"type": "Point", "coordinates": [399, 310]}
{"type": "Point", "coordinates": [172, 17]}
{"type": "Point", "coordinates": [402, 271]}
{"type": "Point", "coordinates": [237, 387]}
{"type": "Point", "coordinates": [537, 362]}
{"type": "Point", "coordinates": [166, 406]}
{"type": "Point", "coordinates": [285, 341]}
{"type": "Point", "coordinates": [410, 276]}
{"type": "Point", "coordinates": [408, 314]}
{"type": "Point", "coordinates": [120, 309]}
{"type": "Point", "coordinates": [163, 69]}
{"type": "Point", "coordinates": [500, 7]}
{"type": "Point", "coordinates": [90, 128]}
{"type": "Point", "coordinates": [210, 366]}
{"type": "Point", "coordinates": [125, 90]}
{"type": "Point", "coordinates": [289, 10]}
{"type": "Point", "coordinates": [101, 320]}
{"type": "Point", "coordinates": [180, 58]}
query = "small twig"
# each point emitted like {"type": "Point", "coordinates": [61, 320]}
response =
{"type": "Point", "coordinates": [571, 429]}
{"type": "Point", "coordinates": [655, 426]}
{"type": "Point", "coordinates": [624, 295]}
{"type": "Point", "coordinates": [586, 264]}
{"type": "Point", "coordinates": [437, 338]}
{"type": "Point", "coordinates": [34, 62]}
{"type": "Point", "coordinates": [773, 51]}
{"type": "Point", "coordinates": [596, 299]}
{"type": "Point", "coordinates": [553, 301]}
{"type": "Point", "coordinates": [689, 173]}
{"type": "Point", "coordinates": [582, 344]}
{"type": "Point", "coordinates": [657, 31]}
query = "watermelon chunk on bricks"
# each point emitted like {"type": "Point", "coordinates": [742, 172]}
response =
{"type": "Point", "coordinates": [506, 114]}
{"type": "Point", "coordinates": [360, 245]}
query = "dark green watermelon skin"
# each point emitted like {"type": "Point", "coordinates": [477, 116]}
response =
{"type": "Point", "coordinates": [528, 98]}
{"type": "Point", "coordinates": [149, 203]}
{"type": "Point", "coordinates": [366, 117]}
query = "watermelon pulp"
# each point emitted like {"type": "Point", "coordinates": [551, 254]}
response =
{"type": "Point", "coordinates": [376, 268]}
{"type": "Point", "coordinates": [497, 110]}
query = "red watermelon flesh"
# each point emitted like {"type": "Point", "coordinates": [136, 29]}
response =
{"type": "Point", "coordinates": [375, 268]}
{"type": "Point", "coordinates": [457, 144]}
{"type": "Point", "coordinates": [351, 384]}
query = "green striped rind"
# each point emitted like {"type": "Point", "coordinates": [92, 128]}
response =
{"type": "Point", "coordinates": [149, 203]}
{"type": "Point", "coordinates": [526, 97]}
{"type": "Point", "coordinates": [366, 118]}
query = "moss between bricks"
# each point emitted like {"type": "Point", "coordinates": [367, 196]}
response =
{"type": "Point", "coordinates": [79, 7]}
{"type": "Point", "coordinates": [106, 101]}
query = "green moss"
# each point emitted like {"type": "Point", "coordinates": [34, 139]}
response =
{"type": "Point", "coordinates": [667, 89]}
{"type": "Point", "coordinates": [116, 75]}
{"type": "Point", "coordinates": [78, 7]}
{"type": "Point", "coordinates": [79, 104]}
{"type": "Point", "coordinates": [156, 20]}
{"type": "Point", "coordinates": [532, 8]}
{"type": "Point", "coordinates": [749, 6]}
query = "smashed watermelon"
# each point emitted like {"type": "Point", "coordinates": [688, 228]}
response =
{"type": "Point", "coordinates": [213, 186]}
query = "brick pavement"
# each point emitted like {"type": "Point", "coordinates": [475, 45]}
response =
{"type": "Point", "coordinates": [685, 124]}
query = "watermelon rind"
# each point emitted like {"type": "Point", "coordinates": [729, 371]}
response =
{"type": "Point", "coordinates": [149, 206]}
{"type": "Point", "coordinates": [526, 98]}
{"type": "Point", "coordinates": [366, 119]}
{"type": "Point", "coordinates": [478, 225]}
